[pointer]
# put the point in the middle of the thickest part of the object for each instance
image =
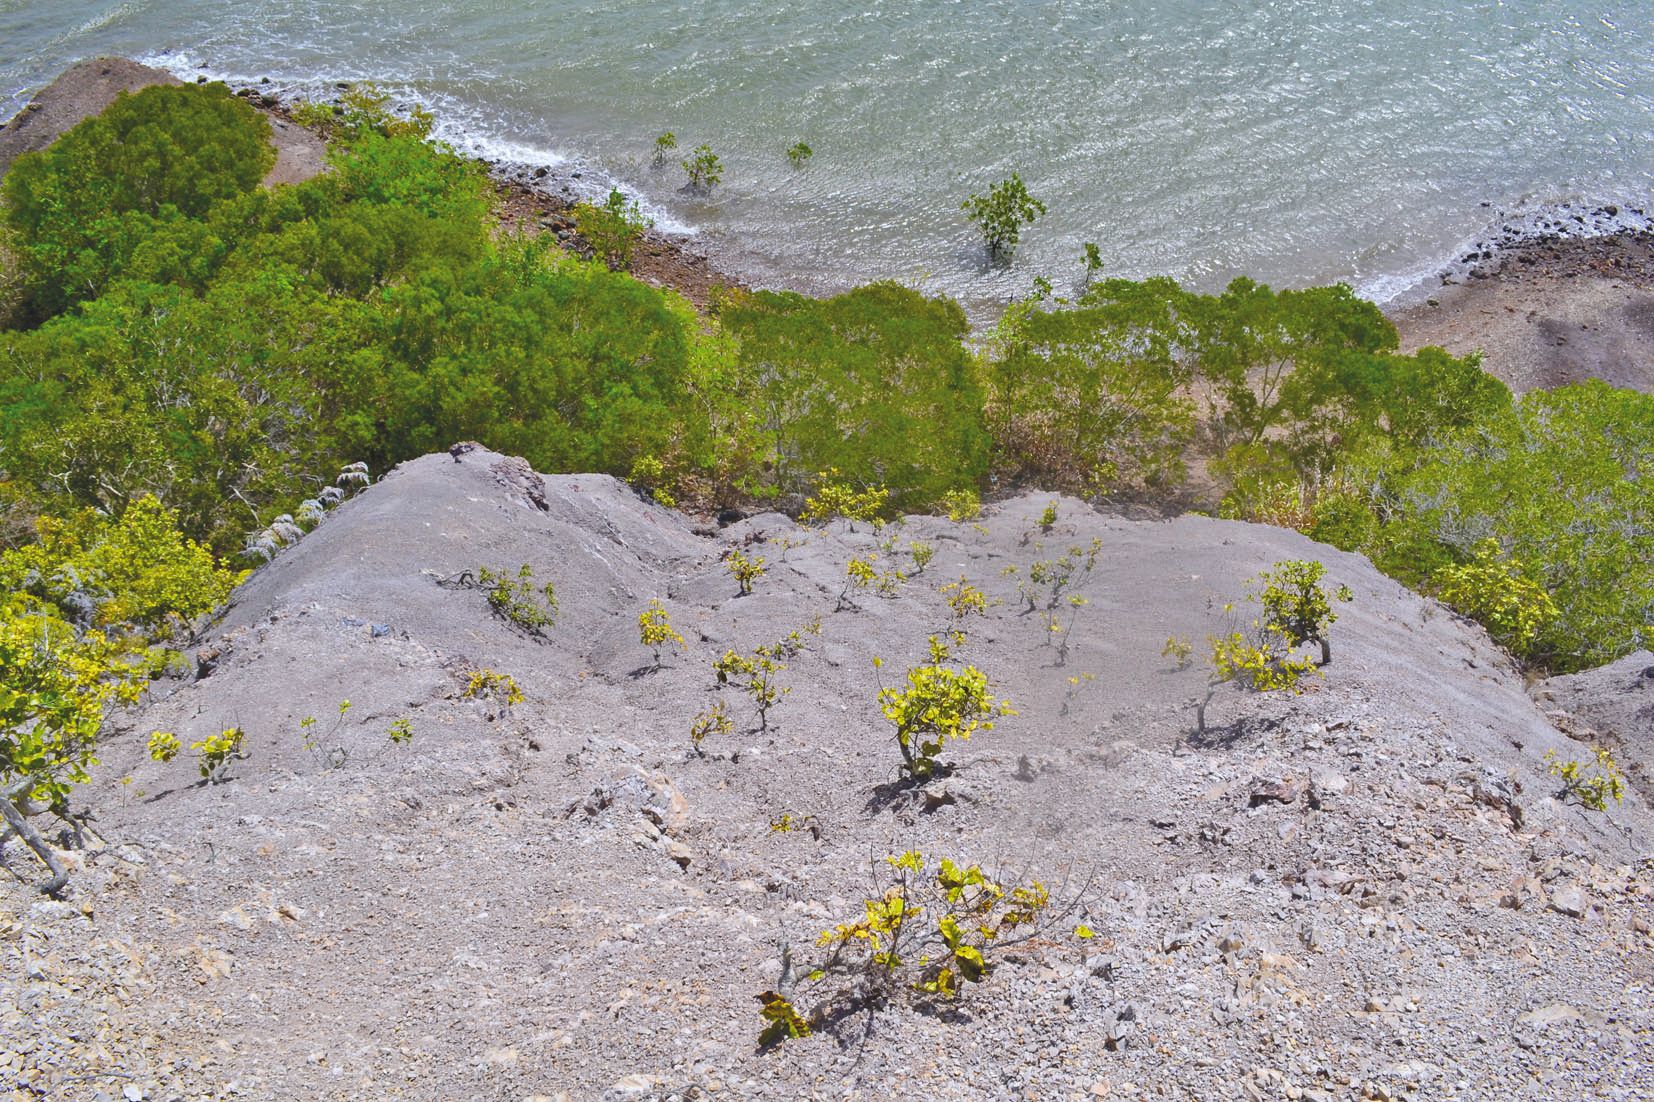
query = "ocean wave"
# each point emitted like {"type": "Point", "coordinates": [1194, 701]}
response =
{"type": "Point", "coordinates": [1511, 228]}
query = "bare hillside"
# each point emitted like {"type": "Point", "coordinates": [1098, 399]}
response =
{"type": "Point", "coordinates": [1366, 891]}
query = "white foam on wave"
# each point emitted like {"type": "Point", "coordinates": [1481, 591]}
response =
{"type": "Point", "coordinates": [1524, 223]}
{"type": "Point", "coordinates": [458, 124]}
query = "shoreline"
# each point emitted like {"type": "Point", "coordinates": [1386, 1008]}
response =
{"type": "Point", "coordinates": [1552, 295]}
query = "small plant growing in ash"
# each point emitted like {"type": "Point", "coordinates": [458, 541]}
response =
{"type": "Point", "coordinates": [833, 497]}
{"type": "Point", "coordinates": [704, 168]}
{"type": "Point", "coordinates": [1048, 518]}
{"type": "Point", "coordinates": [1001, 215]}
{"type": "Point", "coordinates": [1049, 579]}
{"type": "Point", "coordinates": [1262, 660]}
{"type": "Point", "coordinates": [492, 687]}
{"type": "Point", "coordinates": [216, 752]}
{"type": "Point", "coordinates": [933, 930]}
{"type": "Point", "coordinates": [1179, 650]}
{"type": "Point", "coordinates": [1076, 683]}
{"type": "Point", "coordinates": [400, 731]}
{"type": "Point", "coordinates": [656, 631]}
{"type": "Point", "coordinates": [744, 570]}
{"type": "Point", "coordinates": [1295, 605]}
{"type": "Point", "coordinates": [964, 600]}
{"type": "Point", "coordinates": [163, 746]}
{"type": "Point", "coordinates": [862, 574]}
{"type": "Point", "coordinates": [1592, 783]}
{"type": "Point", "coordinates": [939, 703]}
{"type": "Point", "coordinates": [517, 600]}
{"type": "Point", "coordinates": [755, 675]}
{"type": "Point", "coordinates": [326, 749]}
{"type": "Point", "coordinates": [921, 553]}
{"type": "Point", "coordinates": [714, 721]}
{"type": "Point", "coordinates": [799, 154]}
{"type": "Point", "coordinates": [664, 144]}
{"type": "Point", "coordinates": [1059, 634]}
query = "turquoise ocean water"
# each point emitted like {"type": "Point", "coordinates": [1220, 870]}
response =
{"type": "Point", "coordinates": [1296, 140]}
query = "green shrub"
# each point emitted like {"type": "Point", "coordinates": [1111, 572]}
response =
{"type": "Point", "coordinates": [714, 721]}
{"type": "Point", "coordinates": [1092, 258]}
{"type": "Point", "coordinates": [216, 752]}
{"type": "Point", "coordinates": [833, 498]}
{"type": "Point", "coordinates": [938, 704]}
{"type": "Point", "coordinates": [1492, 590]}
{"type": "Point", "coordinates": [875, 384]}
{"type": "Point", "coordinates": [799, 154]}
{"type": "Point", "coordinates": [664, 144]}
{"type": "Point", "coordinates": [961, 505]}
{"type": "Point", "coordinates": [744, 570]}
{"type": "Point", "coordinates": [613, 229]}
{"type": "Point", "coordinates": [1261, 660]}
{"type": "Point", "coordinates": [1560, 481]}
{"type": "Point", "coordinates": [755, 675]}
{"type": "Point", "coordinates": [704, 168]}
{"type": "Point", "coordinates": [1001, 215]}
{"type": "Point", "coordinates": [1295, 610]}
{"type": "Point", "coordinates": [55, 684]}
{"type": "Point", "coordinates": [1295, 606]}
{"type": "Point", "coordinates": [1089, 399]}
{"type": "Point", "coordinates": [933, 930]}
{"type": "Point", "coordinates": [518, 600]}
{"type": "Point", "coordinates": [1592, 783]}
{"type": "Point", "coordinates": [162, 746]}
{"type": "Point", "coordinates": [655, 630]}
{"type": "Point", "coordinates": [137, 574]}
{"type": "Point", "coordinates": [78, 208]}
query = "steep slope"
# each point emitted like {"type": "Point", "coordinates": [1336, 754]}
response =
{"type": "Point", "coordinates": [1363, 891]}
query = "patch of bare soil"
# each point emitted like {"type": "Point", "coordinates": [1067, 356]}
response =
{"type": "Point", "coordinates": [1550, 313]}
{"type": "Point", "coordinates": [1369, 891]}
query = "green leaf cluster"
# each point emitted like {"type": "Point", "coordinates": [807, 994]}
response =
{"type": "Point", "coordinates": [938, 703]}
{"type": "Point", "coordinates": [78, 210]}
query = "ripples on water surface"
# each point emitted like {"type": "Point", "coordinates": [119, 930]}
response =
{"type": "Point", "coordinates": [1298, 141]}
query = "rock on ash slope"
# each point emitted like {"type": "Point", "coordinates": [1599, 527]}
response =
{"type": "Point", "coordinates": [1367, 891]}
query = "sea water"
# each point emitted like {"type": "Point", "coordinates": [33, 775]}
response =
{"type": "Point", "coordinates": [1297, 141]}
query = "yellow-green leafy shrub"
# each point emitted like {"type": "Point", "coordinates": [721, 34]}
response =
{"type": "Point", "coordinates": [518, 600]}
{"type": "Point", "coordinates": [216, 752]}
{"type": "Point", "coordinates": [744, 570]}
{"type": "Point", "coordinates": [1592, 783]}
{"type": "Point", "coordinates": [655, 630]}
{"type": "Point", "coordinates": [1295, 605]}
{"type": "Point", "coordinates": [834, 497]}
{"type": "Point", "coordinates": [55, 686]}
{"type": "Point", "coordinates": [939, 703]}
{"type": "Point", "coordinates": [932, 931]}
{"type": "Point", "coordinates": [1493, 590]}
{"type": "Point", "coordinates": [135, 574]}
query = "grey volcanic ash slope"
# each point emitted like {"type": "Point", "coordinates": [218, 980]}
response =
{"type": "Point", "coordinates": [1364, 891]}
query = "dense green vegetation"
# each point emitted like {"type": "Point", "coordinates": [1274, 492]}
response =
{"type": "Point", "coordinates": [189, 356]}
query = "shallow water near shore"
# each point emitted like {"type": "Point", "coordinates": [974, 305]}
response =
{"type": "Point", "coordinates": [1307, 142]}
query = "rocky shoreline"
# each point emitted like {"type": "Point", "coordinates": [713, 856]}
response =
{"type": "Point", "coordinates": [1553, 295]}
